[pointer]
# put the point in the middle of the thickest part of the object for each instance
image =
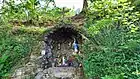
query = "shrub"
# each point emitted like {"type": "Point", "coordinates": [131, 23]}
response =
{"type": "Point", "coordinates": [12, 49]}
{"type": "Point", "coordinates": [112, 53]}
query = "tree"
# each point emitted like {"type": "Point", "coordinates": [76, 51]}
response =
{"type": "Point", "coordinates": [85, 5]}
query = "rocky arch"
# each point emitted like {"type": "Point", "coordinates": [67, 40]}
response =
{"type": "Point", "coordinates": [58, 43]}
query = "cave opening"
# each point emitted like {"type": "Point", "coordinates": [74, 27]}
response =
{"type": "Point", "coordinates": [59, 46]}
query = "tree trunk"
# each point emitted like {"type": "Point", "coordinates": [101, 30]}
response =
{"type": "Point", "coordinates": [85, 5]}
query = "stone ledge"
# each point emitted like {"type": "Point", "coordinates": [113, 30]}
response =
{"type": "Point", "coordinates": [65, 72]}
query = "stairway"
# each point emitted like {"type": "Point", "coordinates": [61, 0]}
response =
{"type": "Point", "coordinates": [61, 73]}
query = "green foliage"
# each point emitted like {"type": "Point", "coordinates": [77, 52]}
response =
{"type": "Point", "coordinates": [120, 11]}
{"type": "Point", "coordinates": [13, 47]}
{"type": "Point", "coordinates": [111, 52]}
{"type": "Point", "coordinates": [113, 77]}
{"type": "Point", "coordinates": [137, 4]}
{"type": "Point", "coordinates": [113, 49]}
{"type": "Point", "coordinates": [99, 25]}
{"type": "Point", "coordinates": [31, 12]}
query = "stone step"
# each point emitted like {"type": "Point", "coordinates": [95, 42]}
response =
{"type": "Point", "coordinates": [64, 72]}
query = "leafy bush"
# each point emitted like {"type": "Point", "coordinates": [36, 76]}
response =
{"type": "Point", "coordinates": [112, 52]}
{"type": "Point", "coordinates": [12, 49]}
{"type": "Point", "coordinates": [120, 11]}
